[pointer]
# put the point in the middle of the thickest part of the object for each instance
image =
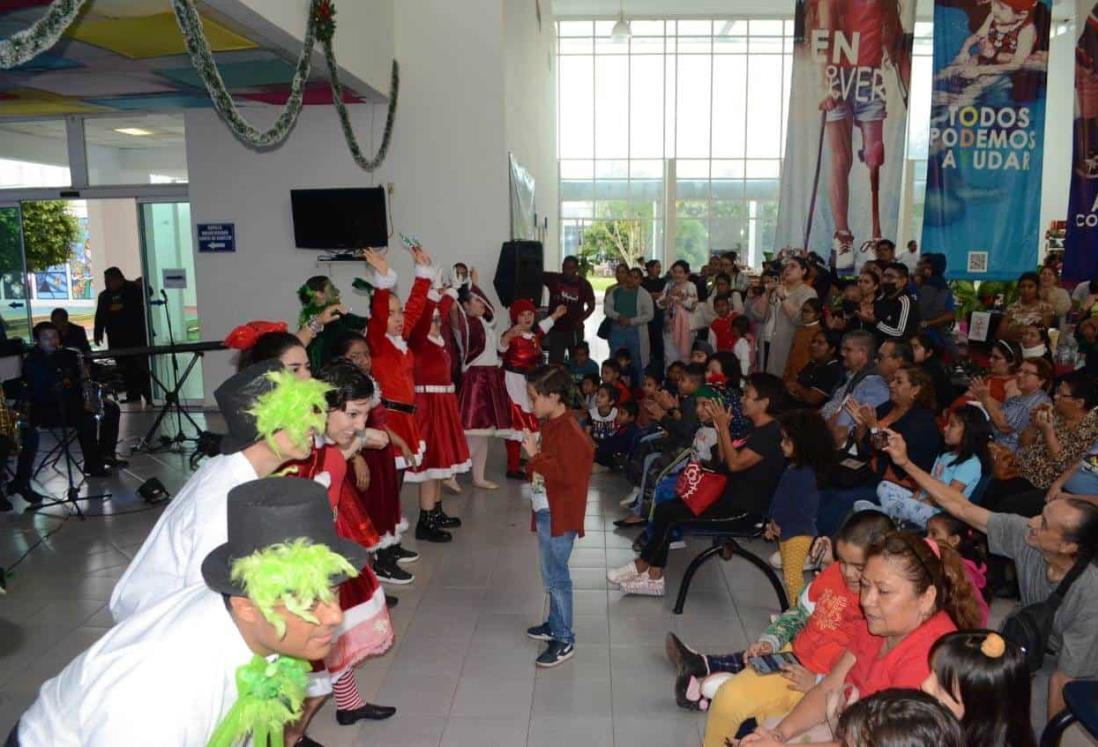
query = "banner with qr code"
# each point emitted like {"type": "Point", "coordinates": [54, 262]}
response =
{"type": "Point", "coordinates": [1081, 247]}
{"type": "Point", "coordinates": [844, 152]}
{"type": "Point", "coordinates": [987, 124]}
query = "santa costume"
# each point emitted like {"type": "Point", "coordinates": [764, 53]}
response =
{"type": "Point", "coordinates": [482, 400]}
{"type": "Point", "coordinates": [394, 362]}
{"type": "Point", "coordinates": [382, 498]}
{"type": "Point", "coordinates": [521, 356]}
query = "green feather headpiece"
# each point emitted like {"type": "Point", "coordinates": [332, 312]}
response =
{"type": "Point", "coordinates": [309, 306]}
{"type": "Point", "coordinates": [297, 574]}
{"type": "Point", "coordinates": [269, 696]}
{"type": "Point", "coordinates": [294, 405]}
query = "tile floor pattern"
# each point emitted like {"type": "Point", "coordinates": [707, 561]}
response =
{"type": "Point", "coordinates": [462, 671]}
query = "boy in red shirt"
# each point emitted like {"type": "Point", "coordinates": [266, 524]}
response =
{"type": "Point", "coordinates": [721, 334]}
{"type": "Point", "coordinates": [611, 376]}
{"type": "Point", "coordinates": [559, 470]}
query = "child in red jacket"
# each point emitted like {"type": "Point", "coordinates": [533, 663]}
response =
{"type": "Point", "coordinates": [559, 469]}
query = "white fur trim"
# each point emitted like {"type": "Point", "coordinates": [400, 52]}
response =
{"type": "Point", "coordinates": [387, 281]}
{"type": "Point", "coordinates": [507, 433]}
{"type": "Point", "coordinates": [427, 272]}
{"type": "Point", "coordinates": [416, 458]}
{"type": "Point", "coordinates": [393, 537]}
{"type": "Point", "coordinates": [451, 292]}
{"type": "Point", "coordinates": [438, 473]}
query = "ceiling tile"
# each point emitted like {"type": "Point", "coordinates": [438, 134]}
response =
{"type": "Point", "coordinates": [150, 36]}
{"type": "Point", "coordinates": [160, 101]}
{"type": "Point", "coordinates": [238, 74]}
{"type": "Point", "coordinates": [29, 103]}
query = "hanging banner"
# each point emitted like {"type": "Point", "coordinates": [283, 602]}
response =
{"type": "Point", "coordinates": [844, 152]}
{"type": "Point", "coordinates": [1081, 247]}
{"type": "Point", "coordinates": [987, 124]}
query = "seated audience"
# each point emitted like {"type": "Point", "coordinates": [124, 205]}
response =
{"type": "Point", "coordinates": [744, 347]}
{"type": "Point", "coordinates": [1044, 549]}
{"type": "Point", "coordinates": [602, 418]}
{"type": "Point", "coordinates": [862, 385]}
{"type": "Point", "coordinates": [926, 357]}
{"type": "Point", "coordinates": [896, 717]}
{"type": "Point", "coordinates": [1052, 293]}
{"type": "Point", "coordinates": [821, 375]}
{"type": "Point", "coordinates": [1023, 396]}
{"type": "Point", "coordinates": [893, 355]}
{"type": "Point", "coordinates": [949, 530]}
{"type": "Point", "coordinates": [579, 363]}
{"type": "Point", "coordinates": [1028, 309]}
{"type": "Point", "coordinates": [937, 305]}
{"type": "Point", "coordinates": [800, 351]}
{"type": "Point", "coordinates": [611, 376]}
{"type": "Point", "coordinates": [722, 332]}
{"type": "Point", "coordinates": [1035, 342]}
{"type": "Point", "coordinates": [1003, 361]}
{"type": "Point", "coordinates": [618, 446]}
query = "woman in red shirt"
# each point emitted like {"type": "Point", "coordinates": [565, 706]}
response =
{"type": "Point", "coordinates": [913, 592]}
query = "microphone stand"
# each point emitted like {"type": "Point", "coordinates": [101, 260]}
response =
{"type": "Point", "coordinates": [72, 493]}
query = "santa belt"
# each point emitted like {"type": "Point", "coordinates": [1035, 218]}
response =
{"type": "Point", "coordinates": [399, 406]}
{"type": "Point", "coordinates": [435, 389]}
{"type": "Point", "coordinates": [519, 371]}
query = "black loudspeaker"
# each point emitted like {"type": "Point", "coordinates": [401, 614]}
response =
{"type": "Point", "coordinates": [518, 272]}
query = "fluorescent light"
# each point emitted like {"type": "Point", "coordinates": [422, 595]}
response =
{"type": "Point", "coordinates": [135, 131]}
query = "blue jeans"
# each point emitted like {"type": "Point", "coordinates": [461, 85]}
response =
{"type": "Point", "coordinates": [901, 504]}
{"type": "Point", "coordinates": [628, 338]}
{"type": "Point", "coordinates": [553, 554]}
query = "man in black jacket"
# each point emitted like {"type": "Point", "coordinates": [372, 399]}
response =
{"type": "Point", "coordinates": [73, 336]}
{"type": "Point", "coordinates": [896, 315]}
{"type": "Point", "coordinates": [121, 314]}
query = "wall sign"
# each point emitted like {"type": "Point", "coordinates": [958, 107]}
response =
{"type": "Point", "coordinates": [175, 277]}
{"type": "Point", "coordinates": [217, 237]}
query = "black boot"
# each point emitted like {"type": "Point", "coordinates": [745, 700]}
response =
{"type": "Point", "coordinates": [367, 711]}
{"type": "Point", "coordinates": [428, 530]}
{"type": "Point", "coordinates": [444, 520]}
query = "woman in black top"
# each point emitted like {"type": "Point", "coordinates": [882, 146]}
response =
{"type": "Point", "coordinates": [654, 283]}
{"type": "Point", "coordinates": [927, 358]}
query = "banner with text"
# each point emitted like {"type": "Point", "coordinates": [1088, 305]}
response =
{"type": "Point", "coordinates": [987, 124]}
{"type": "Point", "coordinates": [1081, 255]}
{"type": "Point", "coordinates": [844, 152]}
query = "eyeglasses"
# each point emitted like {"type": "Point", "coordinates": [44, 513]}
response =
{"type": "Point", "coordinates": [1027, 372]}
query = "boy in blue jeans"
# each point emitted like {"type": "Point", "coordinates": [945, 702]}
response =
{"type": "Point", "coordinates": [559, 470]}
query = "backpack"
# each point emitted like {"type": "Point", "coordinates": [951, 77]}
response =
{"type": "Point", "coordinates": [1030, 627]}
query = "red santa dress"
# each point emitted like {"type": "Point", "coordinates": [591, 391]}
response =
{"type": "Point", "coordinates": [366, 629]}
{"type": "Point", "coordinates": [382, 498]}
{"type": "Point", "coordinates": [437, 415]}
{"type": "Point", "coordinates": [394, 362]}
{"type": "Point", "coordinates": [522, 356]}
{"type": "Point", "coordinates": [482, 396]}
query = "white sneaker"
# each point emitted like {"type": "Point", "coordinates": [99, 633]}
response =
{"type": "Point", "coordinates": [645, 586]}
{"type": "Point", "coordinates": [627, 572]}
{"type": "Point", "coordinates": [810, 563]}
{"type": "Point", "coordinates": [677, 545]}
{"type": "Point", "coordinates": [630, 499]}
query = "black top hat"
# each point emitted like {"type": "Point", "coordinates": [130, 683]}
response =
{"type": "Point", "coordinates": [236, 396]}
{"type": "Point", "coordinates": [271, 510]}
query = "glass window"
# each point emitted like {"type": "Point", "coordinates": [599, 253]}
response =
{"type": "Point", "coordinates": [34, 154]}
{"type": "Point", "coordinates": [136, 149]}
{"type": "Point", "coordinates": [612, 107]}
{"type": "Point", "coordinates": [577, 106]}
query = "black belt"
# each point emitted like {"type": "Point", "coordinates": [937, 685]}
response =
{"type": "Point", "coordinates": [519, 371]}
{"type": "Point", "coordinates": [399, 406]}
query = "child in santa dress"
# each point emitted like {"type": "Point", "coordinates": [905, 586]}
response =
{"type": "Point", "coordinates": [366, 629]}
{"type": "Point", "coordinates": [521, 348]}
{"type": "Point", "coordinates": [482, 398]}
{"type": "Point", "coordinates": [437, 419]}
{"type": "Point", "coordinates": [381, 495]}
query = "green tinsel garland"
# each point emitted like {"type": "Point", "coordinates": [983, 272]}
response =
{"type": "Point", "coordinates": [44, 33]}
{"type": "Point", "coordinates": [269, 695]}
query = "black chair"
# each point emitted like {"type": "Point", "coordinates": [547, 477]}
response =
{"type": "Point", "coordinates": [725, 537]}
{"type": "Point", "coordinates": [1081, 698]}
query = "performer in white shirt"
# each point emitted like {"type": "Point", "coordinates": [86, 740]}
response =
{"type": "Point", "coordinates": [221, 662]}
{"type": "Point", "coordinates": [263, 433]}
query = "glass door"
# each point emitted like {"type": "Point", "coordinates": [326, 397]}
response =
{"type": "Point", "coordinates": [15, 308]}
{"type": "Point", "coordinates": [169, 279]}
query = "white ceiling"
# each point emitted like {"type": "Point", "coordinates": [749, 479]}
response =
{"type": "Point", "coordinates": [719, 8]}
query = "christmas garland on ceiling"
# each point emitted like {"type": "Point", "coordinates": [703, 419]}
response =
{"type": "Point", "coordinates": [44, 33]}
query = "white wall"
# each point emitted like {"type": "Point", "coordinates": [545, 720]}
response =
{"type": "Point", "coordinates": [448, 163]}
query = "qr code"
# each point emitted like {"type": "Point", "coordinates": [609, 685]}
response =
{"type": "Point", "coordinates": [977, 261]}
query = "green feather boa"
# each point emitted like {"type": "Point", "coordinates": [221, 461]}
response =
{"type": "Point", "coordinates": [268, 696]}
{"type": "Point", "coordinates": [293, 405]}
{"type": "Point", "coordinates": [296, 574]}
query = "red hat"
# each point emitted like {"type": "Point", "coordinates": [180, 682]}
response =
{"type": "Point", "coordinates": [1022, 6]}
{"type": "Point", "coordinates": [519, 306]}
{"type": "Point", "coordinates": [247, 335]}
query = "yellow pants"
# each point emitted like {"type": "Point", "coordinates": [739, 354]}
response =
{"type": "Point", "coordinates": [794, 551]}
{"type": "Point", "coordinates": [748, 695]}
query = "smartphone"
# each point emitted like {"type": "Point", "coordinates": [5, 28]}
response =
{"type": "Point", "coordinates": [878, 439]}
{"type": "Point", "coordinates": [773, 663]}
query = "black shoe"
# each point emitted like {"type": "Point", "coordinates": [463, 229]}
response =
{"type": "Point", "coordinates": [391, 602]}
{"type": "Point", "coordinates": [403, 555]}
{"type": "Point", "coordinates": [368, 711]}
{"type": "Point", "coordinates": [684, 691]}
{"type": "Point", "coordinates": [556, 653]}
{"type": "Point", "coordinates": [304, 741]}
{"type": "Point", "coordinates": [444, 520]}
{"type": "Point", "coordinates": [115, 462]}
{"type": "Point", "coordinates": [539, 632]}
{"type": "Point", "coordinates": [30, 495]}
{"type": "Point", "coordinates": [428, 531]}
{"type": "Point", "coordinates": [685, 659]}
{"type": "Point", "coordinates": [626, 524]}
{"type": "Point", "coordinates": [388, 572]}
{"type": "Point", "coordinates": [516, 475]}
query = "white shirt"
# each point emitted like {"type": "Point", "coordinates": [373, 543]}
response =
{"type": "Point", "coordinates": [164, 677]}
{"type": "Point", "coordinates": [192, 525]}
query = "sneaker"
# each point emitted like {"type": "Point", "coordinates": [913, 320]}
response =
{"type": "Point", "coordinates": [556, 653]}
{"type": "Point", "coordinates": [645, 586]}
{"type": "Point", "coordinates": [685, 659]}
{"type": "Point", "coordinates": [630, 499]}
{"type": "Point", "coordinates": [677, 545]}
{"type": "Point", "coordinates": [539, 632]}
{"type": "Point", "coordinates": [627, 572]}
{"type": "Point", "coordinates": [391, 573]}
{"type": "Point", "coordinates": [403, 555]}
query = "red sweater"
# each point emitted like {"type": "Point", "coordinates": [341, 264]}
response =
{"type": "Point", "coordinates": [565, 463]}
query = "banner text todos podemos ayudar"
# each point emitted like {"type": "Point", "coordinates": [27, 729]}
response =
{"type": "Point", "coordinates": [986, 128]}
{"type": "Point", "coordinates": [844, 152]}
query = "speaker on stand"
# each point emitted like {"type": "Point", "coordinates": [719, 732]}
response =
{"type": "Point", "coordinates": [518, 272]}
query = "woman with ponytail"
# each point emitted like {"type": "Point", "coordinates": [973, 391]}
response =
{"type": "Point", "coordinates": [913, 592]}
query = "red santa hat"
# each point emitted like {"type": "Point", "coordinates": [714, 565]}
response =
{"type": "Point", "coordinates": [247, 335]}
{"type": "Point", "coordinates": [519, 306]}
{"type": "Point", "coordinates": [1022, 6]}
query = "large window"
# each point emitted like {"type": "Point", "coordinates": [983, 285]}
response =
{"type": "Point", "coordinates": [671, 143]}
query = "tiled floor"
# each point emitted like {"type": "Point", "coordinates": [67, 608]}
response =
{"type": "Point", "coordinates": [462, 672]}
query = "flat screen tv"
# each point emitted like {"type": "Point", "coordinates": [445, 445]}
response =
{"type": "Point", "coordinates": [339, 218]}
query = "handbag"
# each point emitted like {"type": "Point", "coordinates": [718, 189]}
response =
{"type": "Point", "coordinates": [698, 487]}
{"type": "Point", "coordinates": [1030, 627]}
{"type": "Point", "coordinates": [603, 332]}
